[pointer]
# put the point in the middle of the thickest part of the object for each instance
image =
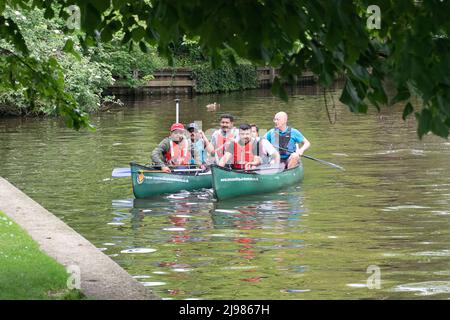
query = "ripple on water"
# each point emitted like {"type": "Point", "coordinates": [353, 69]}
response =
{"type": "Point", "coordinates": [397, 208]}
{"type": "Point", "coordinates": [174, 229]}
{"type": "Point", "coordinates": [141, 277]}
{"type": "Point", "coordinates": [441, 213]}
{"type": "Point", "coordinates": [356, 285]}
{"type": "Point", "coordinates": [153, 283]}
{"type": "Point", "coordinates": [294, 290]}
{"type": "Point", "coordinates": [178, 196]}
{"type": "Point", "coordinates": [442, 253]}
{"type": "Point", "coordinates": [138, 250]}
{"type": "Point", "coordinates": [340, 154]}
{"type": "Point", "coordinates": [240, 268]}
{"type": "Point", "coordinates": [425, 288]}
{"type": "Point", "coordinates": [226, 211]}
{"type": "Point", "coordinates": [220, 235]}
{"type": "Point", "coordinates": [116, 223]}
{"type": "Point", "coordinates": [181, 270]}
{"type": "Point", "coordinates": [126, 203]}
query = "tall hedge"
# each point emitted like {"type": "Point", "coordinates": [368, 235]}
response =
{"type": "Point", "coordinates": [224, 79]}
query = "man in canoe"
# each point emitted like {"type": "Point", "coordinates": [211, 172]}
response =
{"type": "Point", "coordinates": [199, 144]}
{"type": "Point", "coordinates": [172, 150]}
{"type": "Point", "coordinates": [287, 140]}
{"type": "Point", "coordinates": [269, 155]}
{"type": "Point", "coordinates": [244, 153]}
{"type": "Point", "coordinates": [221, 138]}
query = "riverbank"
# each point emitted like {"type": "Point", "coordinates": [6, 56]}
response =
{"type": "Point", "coordinates": [26, 272]}
{"type": "Point", "coordinates": [96, 274]}
{"type": "Point", "coordinates": [203, 79]}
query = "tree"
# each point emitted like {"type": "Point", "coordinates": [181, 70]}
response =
{"type": "Point", "coordinates": [328, 37]}
{"type": "Point", "coordinates": [84, 79]}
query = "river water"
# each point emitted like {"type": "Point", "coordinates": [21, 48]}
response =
{"type": "Point", "coordinates": [379, 230]}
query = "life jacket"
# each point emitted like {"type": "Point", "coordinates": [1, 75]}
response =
{"type": "Point", "coordinates": [221, 142]}
{"type": "Point", "coordinates": [284, 147]}
{"type": "Point", "coordinates": [197, 151]}
{"type": "Point", "coordinates": [243, 154]}
{"type": "Point", "coordinates": [178, 153]}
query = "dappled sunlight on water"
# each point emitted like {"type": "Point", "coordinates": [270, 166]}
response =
{"type": "Point", "coordinates": [389, 209]}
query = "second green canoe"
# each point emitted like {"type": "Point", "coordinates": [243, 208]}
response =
{"type": "Point", "coordinates": [148, 182]}
{"type": "Point", "coordinates": [228, 183]}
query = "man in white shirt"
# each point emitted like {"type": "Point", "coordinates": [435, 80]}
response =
{"type": "Point", "coordinates": [269, 154]}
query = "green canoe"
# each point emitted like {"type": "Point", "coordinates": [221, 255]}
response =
{"type": "Point", "coordinates": [228, 183]}
{"type": "Point", "coordinates": [148, 181]}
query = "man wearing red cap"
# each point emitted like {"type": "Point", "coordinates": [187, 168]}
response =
{"type": "Point", "coordinates": [173, 150]}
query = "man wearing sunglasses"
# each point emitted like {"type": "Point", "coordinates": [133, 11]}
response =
{"type": "Point", "coordinates": [199, 145]}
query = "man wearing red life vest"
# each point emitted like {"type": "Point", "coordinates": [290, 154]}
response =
{"type": "Point", "coordinates": [244, 153]}
{"type": "Point", "coordinates": [222, 137]}
{"type": "Point", "coordinates": [173, 150]}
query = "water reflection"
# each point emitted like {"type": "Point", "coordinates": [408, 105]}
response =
{"type": "Point", "coordinates": [244, 238]}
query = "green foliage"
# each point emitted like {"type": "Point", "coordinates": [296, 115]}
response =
{"type": "Point", "coordinates": [129, 68]}
{"type": "Point", "coordinates": [187, 53]}
{"type": "Point", "coordinates": [329, 37]}
{"type": "Point", "coordinates": [53, 78]}
{"type": "Point", "coordinates": [225, 78]}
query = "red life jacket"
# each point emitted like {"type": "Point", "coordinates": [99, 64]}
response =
{"type": "Point", "coordinates": [242, 155]}
{"type": "Point", "coordinates": [178, 153]}
{"type": "Point", "coordinates": [221, 141]}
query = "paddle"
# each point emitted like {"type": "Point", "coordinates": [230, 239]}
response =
{"type": "Point", "coordinates": [126, 172]}
{"type": "Point", "coordinates": [324, 162]}
{"type": "Point", "coordinates": [318, 160]}
{"type": "Point", "coordinates": [268, 169]}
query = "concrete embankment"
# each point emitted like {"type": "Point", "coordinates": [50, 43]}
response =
{"type": "Point", "coordinates": [101, 277]}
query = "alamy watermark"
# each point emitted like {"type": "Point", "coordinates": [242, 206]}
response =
{"type": "Point", "coordinates": [74, 20]}
{"type": "Point", "coordinates": [374, 280]}
{"type": "Point", "coordinates": [374, 20]}
{"type": "Point", "coordinates": [74, 280]}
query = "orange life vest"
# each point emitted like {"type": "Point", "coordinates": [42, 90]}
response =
{"type": "Point", "coordinates": [221, 143]}
{"type": "Point", "coordinates": [242, 155]}
{"type": "Point", "coordinates": [178, 154]}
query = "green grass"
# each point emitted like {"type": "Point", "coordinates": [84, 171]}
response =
{"type": "Point", "coordinates": [26, 273]}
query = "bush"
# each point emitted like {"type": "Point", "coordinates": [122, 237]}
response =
{"type": "Point", "coordinates": [226, 78]}
{"type": "Point", "coordinates": [130, 68]}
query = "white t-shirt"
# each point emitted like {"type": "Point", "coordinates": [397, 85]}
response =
{"type": "Point", "coordinates": [268, 148]}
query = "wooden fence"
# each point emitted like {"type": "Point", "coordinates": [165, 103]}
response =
{"type": "Point", "coordinates": [180, 81]}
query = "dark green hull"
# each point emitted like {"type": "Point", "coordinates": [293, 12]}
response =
{"type": "Point", "coordinates": [149, 184]}
{"type": "Point", "coordinates": [229, 183]}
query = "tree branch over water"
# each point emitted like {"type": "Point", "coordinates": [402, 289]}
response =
{"type": "Point", "coordinates": [406, 42]}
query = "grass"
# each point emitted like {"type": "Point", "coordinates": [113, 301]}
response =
{"type": "Point", "coordinates": [26, 273]}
